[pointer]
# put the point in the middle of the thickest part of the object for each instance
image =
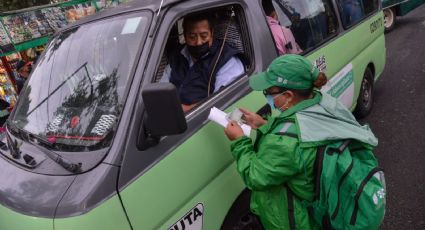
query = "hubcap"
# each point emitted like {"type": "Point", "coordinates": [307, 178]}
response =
{"type": "Point", "coordinates": [367, 92]}
{"type": "Point", "coordinates": [388, 18]}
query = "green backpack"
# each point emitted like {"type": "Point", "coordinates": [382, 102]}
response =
{"type": "Point", "coordinates": [349, 187]}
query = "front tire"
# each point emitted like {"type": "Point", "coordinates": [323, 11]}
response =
{"type": "Point", "coordinates": [240, 217]}
{"type": "Point", "coordinates": [365, 99]}
{"type": "Point", "coordinates": [389, 19]}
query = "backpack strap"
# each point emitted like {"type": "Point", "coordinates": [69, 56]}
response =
{"type": "Point", "coordinates": [291, 208]}
{"type": "Point", "coordinates": [318, 167]}
{"type": "Point", "coordinates": [344, 145]}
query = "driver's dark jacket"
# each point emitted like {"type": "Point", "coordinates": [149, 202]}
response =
{"type": "Point", "coordinates": [194, 83]}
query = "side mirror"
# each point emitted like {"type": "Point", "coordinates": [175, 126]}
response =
{"type": "Point", "coordinates": [164, 113]}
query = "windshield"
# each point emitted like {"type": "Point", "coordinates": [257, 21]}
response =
{"type": "Point", "coordinates": [76, 92]}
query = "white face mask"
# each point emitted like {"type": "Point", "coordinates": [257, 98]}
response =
{"type": "Point", "coordinates": [270, 101]}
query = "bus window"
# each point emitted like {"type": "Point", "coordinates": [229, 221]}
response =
{"type": "Point", "coordinates": [353, 11]}
{"type": "Point", "coordinates": [311, 21]}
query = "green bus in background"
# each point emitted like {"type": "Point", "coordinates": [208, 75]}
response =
{"type": "Point", "coordinates": [394, 8]}
{"type": "Point", "coordinates": [97, 142]}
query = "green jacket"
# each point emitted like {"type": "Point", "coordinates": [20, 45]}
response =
{"type": "Point", "coordinates": [284, 153]}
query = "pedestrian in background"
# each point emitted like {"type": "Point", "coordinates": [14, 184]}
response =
{"type": "Point", "coordinates": [283, 37]}
{"type": "Point", "coordinates": [24, 69]}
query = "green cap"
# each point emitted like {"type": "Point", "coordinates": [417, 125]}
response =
{"type": "Point", "coordinates": [289, 71]}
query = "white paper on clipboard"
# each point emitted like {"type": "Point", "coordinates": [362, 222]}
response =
{"type": "Point", "coordinates": [219, 117]}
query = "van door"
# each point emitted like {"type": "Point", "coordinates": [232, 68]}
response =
{"type": "Point", "coordinates": [189, 181]}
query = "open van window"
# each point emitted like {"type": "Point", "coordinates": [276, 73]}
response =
{"type": "Point", "coordinates": [75, 95]}
{"type": "Point", "coordinates": [226, 59]}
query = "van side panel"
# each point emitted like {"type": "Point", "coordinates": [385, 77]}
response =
{"type": "Point", "coordinates": [18, 221]}
{"type": "Point", "coordinates": [199, 171]}
{"type": "Point", "coordinates": [108, 216]}
{"type": "Point", "coordinates": [217, 198]}
{"type": "Point", "coordinates": [356, 47]}
{"type": "Point", "coordinates": [376, 58]}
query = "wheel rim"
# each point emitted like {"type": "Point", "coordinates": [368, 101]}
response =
{"type": "Point", "coordinates": [367, 93]}
{"type": "Point", "coordinates": [388, 18]}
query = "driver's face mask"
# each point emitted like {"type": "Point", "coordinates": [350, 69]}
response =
{"type": "Point", "coordinates": [198, 51]}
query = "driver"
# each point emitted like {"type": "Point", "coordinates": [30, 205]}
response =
{"type": "Point", "coordinates": [199, 69]}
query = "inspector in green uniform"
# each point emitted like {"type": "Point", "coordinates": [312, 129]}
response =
{"type": "Point", "coordinates": [284, 152]}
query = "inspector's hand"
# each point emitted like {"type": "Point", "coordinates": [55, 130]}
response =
{"type": "Point", "coordinates": [233, 131]}
{"type": "Point", "coordinates": [252, 119]}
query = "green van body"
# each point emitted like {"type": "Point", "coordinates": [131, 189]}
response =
{"type": "Point", "coordinates": [190, 180]}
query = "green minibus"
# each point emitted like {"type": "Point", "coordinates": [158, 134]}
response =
{"type": "Point", "coordinates": [96, 141]}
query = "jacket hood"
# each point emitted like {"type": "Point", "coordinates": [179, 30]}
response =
{"type": "Point", "coordinates": [330, 120]}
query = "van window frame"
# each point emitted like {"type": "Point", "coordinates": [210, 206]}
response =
{"type": "Point", "coordinates": [246, 35]}
{"type": "Point", "coordinates": [247, 40]}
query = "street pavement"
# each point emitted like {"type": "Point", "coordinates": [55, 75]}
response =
{"type": "Point", "coordinates": [398, 120]}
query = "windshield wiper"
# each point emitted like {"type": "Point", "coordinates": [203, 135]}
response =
{"type": "Point", "coordinates": [65, 163]}
{"type": "Point", "coordinates": [56, 157]}
{"type": "Point", "coordinates": [13, 147]}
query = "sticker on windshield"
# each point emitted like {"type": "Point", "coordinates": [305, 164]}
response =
{"type": "Point", "coordinates": [104, 124]}
{"type": "Point", "coordinates": [54, 125]}
{"type": "Point", "coordinates": [131, 25]}
{"type": "Point", "coordinates": [193, 220]}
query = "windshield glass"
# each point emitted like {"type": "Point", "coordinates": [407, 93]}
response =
{"type": "Point", "coordinates": [76, 92]}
